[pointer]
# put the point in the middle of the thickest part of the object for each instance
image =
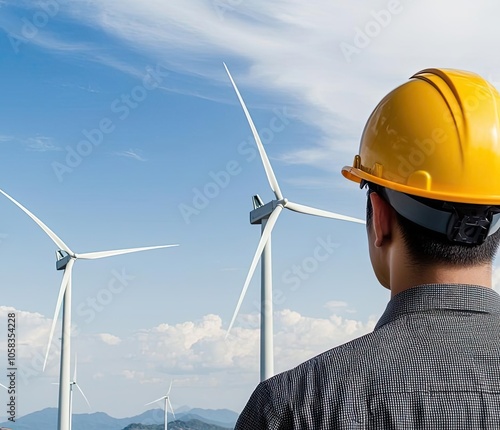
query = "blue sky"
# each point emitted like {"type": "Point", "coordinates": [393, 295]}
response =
{"type": "Point", "coordinates": [171, 160]}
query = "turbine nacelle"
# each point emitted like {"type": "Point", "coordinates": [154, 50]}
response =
{"type": "Point", "coordinates": [257, 201]}
{"type": "Point", "coordinates": [62, 259]}
{"type": "Point", "coordinates": [263, 211]}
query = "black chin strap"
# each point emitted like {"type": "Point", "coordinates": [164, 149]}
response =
{"type": "Point", "coordinates": [461, 223]}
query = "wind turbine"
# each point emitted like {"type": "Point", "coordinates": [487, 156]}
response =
{"type": "Point", "coordinates": [65, 261]}
{"type": "Point", "coordinates": [74, 383]}
{"type": "Point", "coordinates": [166, 397]}
{"type": "Point", "coordinates": [267, 215]}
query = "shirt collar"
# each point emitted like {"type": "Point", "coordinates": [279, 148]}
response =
{"type": "Point", "coordinates": [441, 296]}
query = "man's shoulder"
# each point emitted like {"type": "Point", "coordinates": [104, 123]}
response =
{"type": "Point", "coordinates": [334, 366]}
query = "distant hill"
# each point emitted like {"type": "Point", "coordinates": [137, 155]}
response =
{"type": "Point", "coordinates": [46, 419]}
{"type": "Point", "coordinates": [178, 425]}
{"type": "Point", "coordinates": [222, 417]}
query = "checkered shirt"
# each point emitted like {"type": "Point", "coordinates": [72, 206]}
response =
{"type": "Point", "coordinates": [432, 362]}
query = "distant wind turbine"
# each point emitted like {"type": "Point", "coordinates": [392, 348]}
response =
{"type": "Point", "coordinates": [267, 215]}
{"type": "Point", "coordinates": [65, 261]}
{"type": "Point", "coordinates": [74, 383]}
{"type": "Point", "coordinates": [166, 406]}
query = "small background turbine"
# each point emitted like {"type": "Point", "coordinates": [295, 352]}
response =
{"type": "Point", "coordinates": [167, 405]}
{"type": "Point", "coordinates": [73, 384]}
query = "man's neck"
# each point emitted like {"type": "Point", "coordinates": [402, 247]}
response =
{"type": "Point", "coordinates": [410, 276]}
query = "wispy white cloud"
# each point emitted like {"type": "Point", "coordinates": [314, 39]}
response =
{"type": "Point", "coordinates": [41, 144]}
{"type": "Point", "coordinates": [295, 50]}
{"type": "Point", "coordinates": [26, 31]}
{"type": "Point", "coordinates": [109, 339]}
{"type": "Point", "coordinates": [135, 154]}
{"type": "Point", "coordinates": [311, 182]}
{"type": "Point", "coordinates": [37, 143]}
{"type": "Point", "coordinates": [88, 88]}
{"type": "Point", "coordinates": [335, 306]}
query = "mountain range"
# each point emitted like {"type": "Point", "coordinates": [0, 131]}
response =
{"type": "Point", "coordinates": [189, 419]}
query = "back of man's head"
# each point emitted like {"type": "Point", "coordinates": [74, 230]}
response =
{"type": "Point", "coordinates": [431, 150]}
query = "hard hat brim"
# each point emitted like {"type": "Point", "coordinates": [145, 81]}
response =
{"type": "Point", "coordinates": [356, 175]}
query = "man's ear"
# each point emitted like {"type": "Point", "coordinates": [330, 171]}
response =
{"type": "Point", "coordinates": [382, 219]}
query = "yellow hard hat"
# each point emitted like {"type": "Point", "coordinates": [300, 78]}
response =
{"type": "Point", "coordinates": [436, 136]}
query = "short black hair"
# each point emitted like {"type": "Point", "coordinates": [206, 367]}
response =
{"type": "Point", "coordinates": [429, 247]}
{"type": "Point", "coordinates": [426, 246]}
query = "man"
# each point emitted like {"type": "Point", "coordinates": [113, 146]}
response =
{"type": "Point", "coordinates": [430, 158]}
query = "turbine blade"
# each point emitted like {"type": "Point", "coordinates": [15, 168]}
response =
{"type": "Point", "coordinates": [267, 165]}
{"type": "Point", "coordinates": [296, 207]}
{"type": "Point", "coordinates": [262, 243]}
{"type": "Point", "coordinates": [3, 386]}
{"type": "Point", "coordinates": [103, 254]}
{"type": "Point", "coordinates": [83, 394]}
{"type": "Point", "coordinates": [171, 408]}
{"type": "Point", "coordinates": [154, 401]}
{"type": "Point", "coordinates": [56, 239]}
{"type": "Point", "coordinates": [66, 278]}
{"type": "Point", "coordinates": [170, 387]}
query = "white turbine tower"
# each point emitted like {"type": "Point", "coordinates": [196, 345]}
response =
{"type": "Point", "coordinates": [65, 260]}
{"type": "Point", "coordinates": [167, 405]}
{"type": "Point", "coordinates": [267, 215]}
